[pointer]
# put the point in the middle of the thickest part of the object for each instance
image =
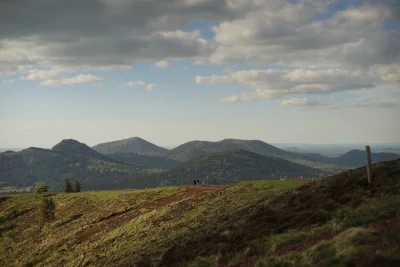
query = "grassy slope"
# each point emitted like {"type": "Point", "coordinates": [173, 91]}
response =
{"type": "Point", "coordinates": [334, 225]}
{"type": "Point", "coordinates": [145, 238]}
{"type": "Point", "coordinates": [267, 223]}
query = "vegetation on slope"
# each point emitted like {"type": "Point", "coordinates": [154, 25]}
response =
{"type": "Point", "coordinates": [194, 149]}
{"type": "Point", "coordinates": [67, 160]}
{"type": "Point", "coordinates": [73, 160]}
{"type": "Point", "coordinates": [355, 158]}
{"type": "Point", "coordinates": [151, 162]}
{"type": "Point", "coordinates": [336, 224]}
{"type": "Point", "coordinates": [135, 145]}
{"type": "Point", "coordinates": [234, 166]}
{"type": "Point", "coordinates": [262, 223]}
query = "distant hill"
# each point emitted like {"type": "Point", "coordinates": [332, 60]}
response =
{"type": "Point", "coordinates": [71, 146]}
{"type": "Point", "coordinates": [234, 166]}
{"type": "Point", "coordinates": [135, 145]}
{"type": "Point", "coordinates": [357, 158]}
{"type": "Point", "coordinates": [151, 162]}
{"type": "Point", "coordinates": [354, 158]}
{"type": "Point", "coordinates": [68, 159]}
{"type": "Point", "coordinates": [194, 149]}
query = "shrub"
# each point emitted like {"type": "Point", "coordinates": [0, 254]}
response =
{"type": "Point", "coordinates": [41, 188]}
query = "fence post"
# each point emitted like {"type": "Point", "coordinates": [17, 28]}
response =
{"type": "Point", "coordinates": [369, 172]}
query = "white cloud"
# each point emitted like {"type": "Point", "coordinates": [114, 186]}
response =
{"type": "Point", "coordinates": [37, 74]}
{"type": "Point", "coordinates": [288, 35]}
{"type": "Point", "coordinates": [272, 83]}
{"type": "Point", "coordinates": [148, 86]}
{"type": "Point", "coordinates": [162, 64]}
{"type": "Point", "coordinates": [110, 34]}
{"type": "Point", "coordinates": [389, 73]}
{"type": "Point", "coordinates": [81, 78]}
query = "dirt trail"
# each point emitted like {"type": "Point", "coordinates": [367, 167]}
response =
{"type": "Point", "coordinates": [189, 191]}
{"type": "Point", "coordinates": [117, 219]}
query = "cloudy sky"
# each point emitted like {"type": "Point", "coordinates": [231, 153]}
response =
{"type": "Point", "coordinates": [171, 71]}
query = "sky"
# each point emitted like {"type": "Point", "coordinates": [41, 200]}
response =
{"type": "Point", "coordinates": [172, 71]}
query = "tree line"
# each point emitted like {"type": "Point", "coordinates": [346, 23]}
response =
{"type": "Point", "coordinates": [43, 188]}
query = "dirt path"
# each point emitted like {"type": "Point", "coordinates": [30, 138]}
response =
{"type": "Point", "coordinates": [115, 220]}
{"type": "Point", "coordinates": [189, 192]}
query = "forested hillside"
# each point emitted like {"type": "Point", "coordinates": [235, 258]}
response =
{"type": "Point", "coordinates": [135, 145]}
{"type": "Point", "coordinates": [235, 166]}
{"type": "Point", "coordinates": [354, 158]}
{"type": "Point", "coordinates": [68, 159]}
{"type": "Point", "coordinates": [151, 162]}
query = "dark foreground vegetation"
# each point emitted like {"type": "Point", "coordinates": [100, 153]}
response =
{"type": "Point", "coordinates": [260, 223]}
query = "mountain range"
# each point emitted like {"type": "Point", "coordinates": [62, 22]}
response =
{"type": "Point", "coordinates": [194, 149]}
{"type": "Point", "coordinates": [138, 163]}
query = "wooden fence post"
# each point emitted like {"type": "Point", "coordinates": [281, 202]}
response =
{"type": "Point", "coordinates": [369, 172]}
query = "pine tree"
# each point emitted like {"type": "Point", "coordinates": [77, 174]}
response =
{"type": "Point", "coordinates": [77, 186]}
{"type": "Point", "coordinates": [47, 209]}
{"type": "Point", "coordinates": [67, 187]}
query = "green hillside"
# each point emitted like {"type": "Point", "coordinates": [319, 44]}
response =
{"type": "Point", "coordinates": [73, 160]}
{"type": "Point", "coordinates": [357, 158]}
{"type": "Point", "coordinates": [134, 145]}
{"type": "Point", "coordinates": [351, 159]}
{"type": "Point", "coordinates": [195, 149]}
{"type": "Point", "coordinates": [151, 162]}
{"type": "Point", "coordinates": [234, 166]}
{"type": "Point", "coordinates": [261, 223]}
{"type": "Point", "coordinates": [68, 159]}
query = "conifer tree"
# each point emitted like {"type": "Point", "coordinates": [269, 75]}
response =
{"type": "Point", "coordinates": [67, 187]}
{"type": "Point", "coordinates": [47, 209]}
{"type": "Point", "coordinates": [77, 186]}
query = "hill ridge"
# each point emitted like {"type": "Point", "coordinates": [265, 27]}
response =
{"type": "Point", "coordinates": [193, 149]}
{"type": "Point", "coordinates": [135, 144]}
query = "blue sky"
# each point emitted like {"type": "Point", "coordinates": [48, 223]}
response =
{"type": "Point", "coordinates": [278, 71]}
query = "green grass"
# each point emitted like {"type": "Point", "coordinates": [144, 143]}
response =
{"type": "Point", "coordinates": [250, 221]}
{"type": "Point", "coordinates": [151, 233]}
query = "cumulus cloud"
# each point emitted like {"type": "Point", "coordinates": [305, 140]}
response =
{"type": "Point", "coordinates": [350, 49]}
{"type": "Point", "coordinates": [106, 33]}
{"type": "Point", "coordinates": [147, 86]}
{"type": "Point", "coordinates": [272, 83]}
{"type": "Point", "coordinates": [81, 78]}
{"type": "Point", "coordinates": [162, 64]}
{"type": "Point", "coordinates": [288, 35]}
{"type": "Point", "coordinates": [36, 74]}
